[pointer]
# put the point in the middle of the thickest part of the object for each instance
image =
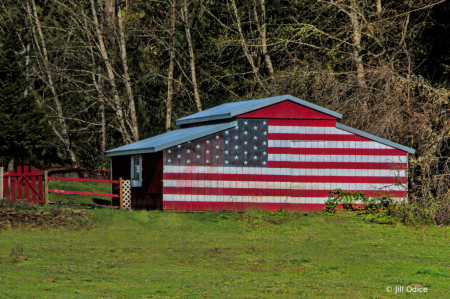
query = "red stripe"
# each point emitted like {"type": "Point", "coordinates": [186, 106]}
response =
{"type": "Point", "coordinates": [337, 151]}
{"type": "Point", "coordinates": [336, 165]}
{"type": "Point", "coordinates": [244, 206]}
{"type": "Point", "coordinates": [302, 123]}
{"type": "Point", "coordinates": [316, 137]}
{"type": "Point", "coordinates": [283, 178]}
{"type": "Point", "coordinates": [271, 192]}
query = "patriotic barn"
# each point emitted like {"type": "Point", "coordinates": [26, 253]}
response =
{"type": "Point", "coordinates": [274, 153]}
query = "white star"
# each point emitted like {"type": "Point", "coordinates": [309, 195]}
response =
{"type": "Point", "coordinates": [255, 128]}
{"type": "Point", "coordinates": [264, 162]}
{"type": "Point", "coordinates": [207, 152]}
{"type": "Point", "coordinates": [245, 153]}
{"type": "Point", "coordinates": [217, 137]}
{"type": "Point", "coordinates": [179, 156]}
{"type": "Point", "coordinates": [264, 143]}
{"type": "Point", "coordinates": [235, 137]}
{"type": "Point", "coordinates": [188, 151]}
{"type": "Point", "coordinates": [179, 146]}
{"type": "Point", "coordinates": [198, 146]}
{"type": "Point", "coordinates": [207, 141]}
{"type": "Point", "coordinates": [245, 132]}
{"type": "Point", "coordinates": [264, 122]}
{"type": "Point", "coordinates": [264, 153]}
{"type": "Point", "coordinates": [188, 161]}
{"type": "Point", "coordinates": [169, 151]}
{"type": "Point", "coordinates": [245, 142]}
{"type": "Point", "coordinates": [255, 147]}
{"type": "Point", "coordinates": [226, 141]}
{"type": "Point", "coordinates": [245, 162]}
{"type": "Point", "coordinates": [217, 157]}
{"type": "Point", "coordinates": [255, 137]}
{"type": "Point", "coordinates": [236, 157]}
{"type": "Point", "coordinates": [236, 147]}
{"type": "Point", "coordinates": [226, 152]}
{"type": "Point", "coordinates": [168, 160]}
{"type": "Point", "coordinates": [198, 156]}
{"type": "Point", "coordinates": [265, 133]}
{"type": "Point", "coordinates": [217, 146]}
{"type": "Point", "coordinates": [226, 132]}
{"type": "Point", "coordinates": [254, 158]}
{"type": "Point", "coordinates": [226, 162]}
{"type": "Point", "coordinates": [207, 161]}
{"type": "Point", "coordinates": [245, 122]}
{"type": "Point", "coordinates": [237, 127]}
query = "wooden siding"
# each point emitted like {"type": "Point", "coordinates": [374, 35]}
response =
{"type": "Point", "coordinates": [287, 110]}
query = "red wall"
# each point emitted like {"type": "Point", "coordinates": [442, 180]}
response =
{"type": "Point", "coordinates": [149, 196]}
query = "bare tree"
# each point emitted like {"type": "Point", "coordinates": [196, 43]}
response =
{"type": "Point", "coordinates": [171, 68]}
{"type": "Point", "coordinates": [63, 135]}
{"type": "Point", "coordinates": [185, 16]}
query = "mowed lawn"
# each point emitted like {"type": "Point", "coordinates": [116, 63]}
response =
{"type": "Point", "coordinates": [224, 255]}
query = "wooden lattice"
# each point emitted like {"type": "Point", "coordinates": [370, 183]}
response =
{"type": "Point", "coordinates": [126, 194]}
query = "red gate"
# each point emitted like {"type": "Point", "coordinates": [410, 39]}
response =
{"type": "Point", "coordinates": [22, 184]}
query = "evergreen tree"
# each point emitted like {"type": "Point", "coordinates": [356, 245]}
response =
{"type": "Point", "coordinates": [22, 123]}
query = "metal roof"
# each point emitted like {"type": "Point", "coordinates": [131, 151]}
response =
{"type": "Point", "coordinates": [230, 110]}
{"type": "Point", "coordinates": [169, 139]}
{"type": "Point", "coordinates": [375, 138]}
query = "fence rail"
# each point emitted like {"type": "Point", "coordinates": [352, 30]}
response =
{"type": "Point", "coordinates": [18, 184]}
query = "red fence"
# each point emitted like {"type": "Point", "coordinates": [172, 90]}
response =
{"type": "Point", "coordinates": [26, 184]}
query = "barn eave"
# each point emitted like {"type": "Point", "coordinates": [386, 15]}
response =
{"type": "Point", "coordinates": [169, 139]}
{"type": "Point", "coordinates": [237, 108]}
{"type": "Point", "coordinates": [375, 138]}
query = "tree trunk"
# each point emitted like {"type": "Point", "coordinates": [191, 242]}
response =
{"type": "Point", "coordinates": [123, 52]}
{"type": "Point", "coordinates": [191, 56]}
{"type": "Point", "coordinates": [112, 81]}
{"type": "Point", "coordinates": [357, 46]}
{"type": "Point", "coordinates": [263, 31]}
{"type": "Point", "coordinates": [378, 7]}
{"type": "Point", "coordinates": [101, 111]}
{"type": "Point", "coordinates": [171, 68]}
{"type": "Point", "coordinates": [63, 135]}
{"type": "Point", "coordinates": [244, 44]}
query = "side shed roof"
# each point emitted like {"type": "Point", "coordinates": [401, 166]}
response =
{"type": "Point", "coordinates": [169, 139]}
{"type": "Point", "coordinates": [229, 110]}
{"type": "Point", "coordinates": [375, 138]}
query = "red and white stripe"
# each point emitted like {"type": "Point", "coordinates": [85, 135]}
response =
{"type": "Point", "coordinates": [304, 163]}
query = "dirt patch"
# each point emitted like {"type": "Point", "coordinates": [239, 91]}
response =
{"type": "Point", "coordinates": [15, 217]}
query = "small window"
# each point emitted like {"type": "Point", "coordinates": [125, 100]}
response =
{"type": "Point", "coordinates": [136, 171]}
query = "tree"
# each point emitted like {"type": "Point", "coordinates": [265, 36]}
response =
{"type": "Point", "coordinates": [22, 122]}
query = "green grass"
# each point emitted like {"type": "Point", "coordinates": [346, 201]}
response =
{"type": "Point", "coordinates": [82, 187]}
{"type": "Point", "coordinates": [224, 255]}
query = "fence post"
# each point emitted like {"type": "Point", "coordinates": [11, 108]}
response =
{"type": "Point", "coordinates": [46, 186]}
{"type": "Point", "coordinates": [121, 193]}
{"type": "Point", "coordinates": [1, 183]}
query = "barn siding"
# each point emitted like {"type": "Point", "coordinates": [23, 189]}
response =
{"type": "Point", "coordinates": [307, 158]}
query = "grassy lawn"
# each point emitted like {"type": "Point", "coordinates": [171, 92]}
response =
{"type": "Point", "coordinates": [80, 186]}
{"type": "Point", "coordinates": [219, 255]}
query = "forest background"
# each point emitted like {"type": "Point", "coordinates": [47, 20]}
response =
{"type": "Point", "coordinates": [78, 77]}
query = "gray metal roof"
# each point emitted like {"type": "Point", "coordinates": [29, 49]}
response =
{"type": "Point", "coordinates": [375, 138]}
{"type": "Point", "coordinates": [230, 110]}
{"type": "Point", "coordinates": [169, 139]}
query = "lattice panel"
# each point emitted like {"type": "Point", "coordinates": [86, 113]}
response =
{"type": "Point", "coordinates": [126, 189]}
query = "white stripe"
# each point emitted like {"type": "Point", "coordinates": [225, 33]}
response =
{"type": "Point", "coordinates": [328, 144]}
{"type": "Point", "coordinates": [255, 199]}
{"type": "Point", "coordinates": [338, 158]}
{"type": "Point", "coordinates": [277, 171]}
{"type": "Point", "coordinates": [283, 185]}
{"type": "Point", "coordinates": [307, 130]}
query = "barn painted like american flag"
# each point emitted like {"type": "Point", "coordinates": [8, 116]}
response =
{"type": "Point", "coordinates": [274, 153]}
